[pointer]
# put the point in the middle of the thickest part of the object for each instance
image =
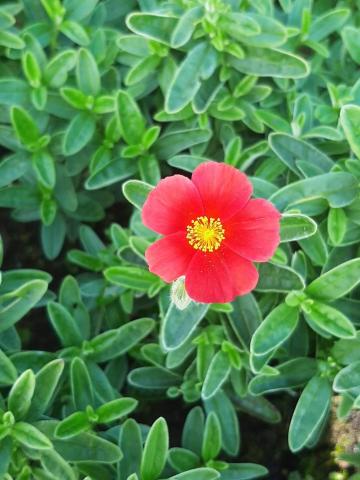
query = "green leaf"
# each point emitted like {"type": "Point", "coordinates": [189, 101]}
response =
{"type": "Point", "coordinates": [64, 325]}
{"type": "Point", "coordinates": [291, 374]}
{"type": "Point", "coordinates": [116, 409]}
{"type": "Point", "coordinates": [31, 69]}
{"type": "Point", "coordinates": [225, 411]}
{"type": "Point", "coordinates": [178, 325]}
{"type": "Point", "coordinates": [112, 343]}
{"type": "Point", "coordinates": [6, 449]}
{"type": "Point", "coordinates": [85, 260]}
{"type": "Point", "coordinates": [87, 73]}
{"type": "Point", "coordinates": [272, 33]}
{"type": "Point", "coordinates": [155, 451]}
{"type": "Point", "coordinates": [130, 442]}
{"type": "Point", "coordinates": [78, 133]}
{"type": "Point", "coordinates": [153, 378]}
{"type": "Point", "coordinates": [182, 460]}
{"type": "Point", "coordinates": [243, 471]}
{"type": "Point", "coordinates": [212, 438]}
{"type": "Point", "coordinates": [263, 62]}
{"type": "Point", "coordinates": [46, 381]}
{"type": "Point", "coordinates": [112, 172]}
{"type": "Point", "coordinates": [85, 447]}
{"type": "Point", "coordinates": [239, 25]}
{"type": "Point", "coordinates": [337, 225]}
{"type": "Point", "coordinates": [328, 23]}
{"type": "Point", "coordinates": [72, 425]}
{"type": "Point", "coordinates": [131, 121]}
{"type": "Point", "coordinates": [295, 226]}
{"type": "Point", "coordinates": [292, 150]}
{"type": "Point", "coordinates": [329, 320]}
{"type": "Point", "coordinates": [245, 317]}
{"type": "Point", "coordinates": [16, 304]}
{"type": "Point", "coordinates": [56, 466]}
{"type": "Point", "coordinates": [346, 351]}
{"type": "Point", "coordinates": [57, 69]}
{"type": "Point", "coordinates": [339, 189]}
{"type": "Point", "coordinates": [44, 167]}
{"type": "Point", "coordinates": [136, 192]}
{"type": "Point", "coordinates": [216, 376]}
{"type": "Point", "coordinates": [30, 437]}
{"type": "Point", "coordinates": [154, 26]}
{"type": "Point", "coordinates": [348, 378]}
{"type": "Point", "coordinates": [335, 283]}
{"type": "Point", "coordinates": [187, 79]}
{"type": "Point", "coordinates": [197, 474]}
{"type": "Point", "coordinates": [186, 26]}
{"type": "Point", "coordinates": [48, 210]}
{"type": "Point", "coordinates": [192, 434]}
{"type": "Point", "coordinates": [350, 122]}
{"type": "Point", "coordinates": [76, 32]}
{"type": "Point", "coordinates": [276, 328]}
{"type": "Point", "coordinates": [21, 393]}
{"type": "Point", "coordinates": [81, 386]}
{"type": "Point", "coordinates": [11, 40]}
{"type": "Point", "coordinates": [13, 91]}
{"type": "Point", "coordinates": [315, 248]}
{"type": "Point", "coordinates": [25, 128]}
{"type": "Point", "coordinates": [309, 413]}
{"type": "Point", "coordinates": [173, 142]}
{"type": "Point", "coordinates": [12, 168]}
{"type": "Point", "coordinates": [8, 373]}
{"type": "Point", "coordinates": [349, 35]}
{"type": "Point", "coordinates": [276, 278]}
{"type": "Point", "coordinates": [131, 277]}
{"type": "Point", "coordinates": [75, 97]}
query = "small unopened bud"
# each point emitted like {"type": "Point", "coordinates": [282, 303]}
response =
{"type": "Point", "coordinates": [179, 295]}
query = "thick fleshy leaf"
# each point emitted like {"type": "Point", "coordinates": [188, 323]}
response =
{"type": "Point", "coordinates": [348, 378]}
{"type": "Point", "coordinates": [337, 282]}
{"type": "Point", "coordinates": [216, 376]}
{"type": "Point", "coordinates": [338, 188]}
{"type": "Point", "coordinates": [330, 320]}
{"type": "Point", "coordinates": [264, 62]}
{"type": "Point", "coordinates": [225, 411]}
{"type": "Point", "coordinates": [243, 471]}
{"type": "Point", "coordinates": [291, 374]}
{"type": "Point", "coordinates": [155, 450]}
{"type": "Point", "coordinates": [309, 413]}
{"type": "Point", "coordinates": [295, 226]}
{"type": "Point", "coordinates": [187, 79]}
{"type": "Point", "coordinates": [275, 329]}
{"type": "Point", "coordinates": [290, 150]}
{"type": "Point", "coordinates": [278, 278]}
{"type": "Point", "coordinates": [178, 325]}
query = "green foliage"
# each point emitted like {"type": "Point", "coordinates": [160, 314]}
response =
{"type": "Point", "coordinates": [99, 100]}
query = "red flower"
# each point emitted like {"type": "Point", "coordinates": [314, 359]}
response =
{"type": "Point", "coordinates": [212, 232]}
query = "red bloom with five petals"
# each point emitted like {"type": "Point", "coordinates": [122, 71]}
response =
{"type": "Point", "coordinates": [212, 232]}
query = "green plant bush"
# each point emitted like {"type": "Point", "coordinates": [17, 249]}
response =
{"type": "Point", "coordinates": [99, 100]}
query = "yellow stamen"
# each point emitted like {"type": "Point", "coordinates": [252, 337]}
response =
{"type": "Point", "coordinates": [205, 234]}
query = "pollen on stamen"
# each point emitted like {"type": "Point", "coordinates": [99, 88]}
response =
{"type": "Point", "coordinates": [205, 234]}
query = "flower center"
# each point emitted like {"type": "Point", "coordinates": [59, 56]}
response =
{"type": "Point", "coordinates": [205, 234]}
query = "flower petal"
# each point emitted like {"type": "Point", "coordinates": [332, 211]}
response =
{"type": "Point", "coordinates": [172, 205]}
{"type": "Point", "coordinates": [224, 189]}
{"type": "Point", "coordinates": [254, 232]}
{"type": "Point", "coordinates": [219, 276]}
{"type": "Point", "coordinates": [170, 256]}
